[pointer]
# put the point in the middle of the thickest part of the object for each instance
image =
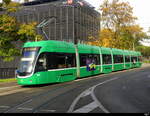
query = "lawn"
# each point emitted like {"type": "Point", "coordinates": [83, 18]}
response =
{"type": "Point", "coordinates": [146, 61]}
{"type": "Point", "coordinates": [8, 80]}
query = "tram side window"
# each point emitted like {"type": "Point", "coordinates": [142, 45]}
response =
{"type": "Point", "coordinates": [118, 58]}
{"type": "Point", "coordinates": [83, 58]}
{"type": "Point", "coordinates": [86, 59]}
{"type": "Point", "coordinates": [96, 58]}
{"type": "Point", "coordinates": [127, 58]}
{"type": "Point", "coordinates": [60, 60]}
{"type": "Point", "coordinates": [107, 59]}
{"type": "Point", "coordinates": [41, 64]}
{"type": "Point", "coordinates": [93, 58]}
{"type": "Point", "coordinates": [134, 59]}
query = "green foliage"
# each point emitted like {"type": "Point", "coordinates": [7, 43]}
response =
{"type": "Point", "coordinates": [146, 61]}
{"type": "Point", "coordinates": [27, 31]}
{"type": "Point", "coordinates": [116, 14]}
{"type": "Point", "coordinates": [9, 6]}
{"type": "Point", "coordinates": [8, 29]}
{"type": "Point", "coordinates": [118, 29]}
{"type": "Point", "coordinates": [7, 2]}
{"type": "Point", "coordinates": [145, 50]}
{"type": "Point", "coordinates": [11, 31]}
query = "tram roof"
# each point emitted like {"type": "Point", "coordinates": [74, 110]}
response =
{"type": "Point", "coordinates": [105, 50]}
{"type": "Point", "coordinates": [51, 43]}
{"type": "Point", "coordinates": [83, 48]}
{"type": "Point", "coordinates": [52, 46]}
{"type": "Point", "coordinates": [135, 53]}
{"type": "Point", "coordinates": [126, 52]}
{"type": "Point", "coordinates": [117, 51]}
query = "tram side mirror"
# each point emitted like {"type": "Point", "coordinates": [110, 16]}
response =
{"type": "Point", "coordinates": [17, 72]}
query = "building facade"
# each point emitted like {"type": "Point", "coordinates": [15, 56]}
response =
{"type": "Point", "coordinates": [67, 20]}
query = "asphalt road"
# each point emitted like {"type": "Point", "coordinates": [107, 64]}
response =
{"type": "Point", "coordinates": [125, 91]}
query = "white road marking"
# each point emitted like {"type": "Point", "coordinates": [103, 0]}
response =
{"type": "Point", "coordinates": [99, 103]}
{"type": "Point", "coordinates": [90, 91]}
{"type": "Point", "coordinates": [4, 106]}
{"type": "Point", "coordinates": [87, 108]}
{"type": "Point", "coordinates": [18, 106]}
{"type": "Point", "coordinates": [105, 82]}
{"type": "Point", "coordinates": [96, 100]}
{"type": "Point", "coordinates": [86, 93]}
{"type": "Point", "coordinates": [48, 110]}
{"type": "Point", "coordinates": [24, 108]}
{"type": "Point", "coordinates": [83, 94]}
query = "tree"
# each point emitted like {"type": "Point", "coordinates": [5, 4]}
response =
{"type": "Point", "coordinates": [8, 33]}
{"type": "Point", "coordinates": [28, 32]}
{"type": "Point", "coordinates": [9, 6]}
{"type": "Point", "coordinates": [118, 26]}
{"type": "Point", "coordinates": [116, 14]}
{"type": "Point", "coordinates": [12, 31]}
{"type": "Point", "coordinates": [131, 36]}
{"type": "Point", "coordinates": [144, 50]}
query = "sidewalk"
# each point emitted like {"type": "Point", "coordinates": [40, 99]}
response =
{"type": "Point", "coordinates": [146, 65]}
{"type": "Point", "coordinates": [6, 84]}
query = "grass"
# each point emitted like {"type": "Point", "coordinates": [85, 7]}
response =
{"type": "Point", "coordinates": [8, 80]}
{"type": "Point", "coordinates": [146, 61]}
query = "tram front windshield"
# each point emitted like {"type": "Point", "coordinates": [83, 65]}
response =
{"type": "Point", "coordinates": [27, 61]}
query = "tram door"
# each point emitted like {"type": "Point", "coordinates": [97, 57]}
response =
{"type": "Point", "coordinates": [41, 69]}
{"type": "Point", "coordinates": [65, 66]}
{"type": "Point", "coordinates": [61, 67]}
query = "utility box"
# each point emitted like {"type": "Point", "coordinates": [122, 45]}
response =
{"type": "Point", "coordinates": [74, 19]}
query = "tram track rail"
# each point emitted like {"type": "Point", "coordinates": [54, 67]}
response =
{"type": "Point", "coordinates": [28, 100]}
{"type": "Point", "coordinates": [34, 110]}
{"type": "Point", "coordinates": [31, 99]}
{"type": "Point", "coordinates": [63, 87]}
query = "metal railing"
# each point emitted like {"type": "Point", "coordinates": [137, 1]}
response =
{"type": "Point", "coordinates": [7, 73]}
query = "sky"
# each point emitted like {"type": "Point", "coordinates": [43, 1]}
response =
{"type": "Point", "coordinates": [141, 9]}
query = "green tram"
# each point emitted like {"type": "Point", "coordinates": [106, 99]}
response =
{"type": "Point", "coordinates": [52, 61]}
